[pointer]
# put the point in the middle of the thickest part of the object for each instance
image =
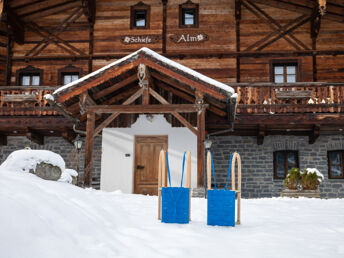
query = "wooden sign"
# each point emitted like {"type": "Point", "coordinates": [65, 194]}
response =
{"type": "Point", "coordinates": [140, 39]}
{"type": "Point", "coordinates": [189, 38]}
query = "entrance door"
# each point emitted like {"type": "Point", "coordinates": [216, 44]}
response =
{"type": "Point", "coordinates": [147, 150]}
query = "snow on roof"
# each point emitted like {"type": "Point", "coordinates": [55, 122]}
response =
{"type": "Point", "coordinates": [162, 59]}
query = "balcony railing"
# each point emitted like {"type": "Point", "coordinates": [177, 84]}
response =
{"type": "Point", "coordinates": [272, 98]}
{"type": "Point", "coordinates": [253, 98]}
{"type": "Point", "coordinates": [25, 101]}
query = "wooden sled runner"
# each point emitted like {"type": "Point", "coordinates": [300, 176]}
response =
{"type": "Point", "coordinates": [174, 202]}
{"type": "Point", "coordinates": [221, 202]}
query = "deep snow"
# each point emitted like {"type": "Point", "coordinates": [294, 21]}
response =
{"type": "Point", "coordinates": [41, 218]}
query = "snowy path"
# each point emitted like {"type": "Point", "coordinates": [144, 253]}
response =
{"type": "Point", "coordinates": [49, 219]}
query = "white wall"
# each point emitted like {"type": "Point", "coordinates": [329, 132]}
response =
{"type": "Point", "coordinates": [117, 169]}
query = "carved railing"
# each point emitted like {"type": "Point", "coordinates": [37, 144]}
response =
{"type": "Point", "coordinates": [25, 101]}
{"type": "Point", "coordinates": [260, 98]}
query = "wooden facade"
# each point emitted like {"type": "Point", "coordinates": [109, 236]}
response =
{"type": "Point", "coordinates": [236, 42]}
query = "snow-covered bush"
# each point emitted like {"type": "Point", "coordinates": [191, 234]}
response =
{"type": "Point", "coordinates": [308, 179]}
{"type": "Point", "coordinates": [39, 162]}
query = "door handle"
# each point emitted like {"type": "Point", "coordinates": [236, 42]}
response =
{"type": "Point", "coordinates": [140, 167]}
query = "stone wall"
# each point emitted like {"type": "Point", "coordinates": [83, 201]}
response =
{"type": "Point", "coordinates": [257, 162]}
{"type": "Point", "coordinates": [59, 146]}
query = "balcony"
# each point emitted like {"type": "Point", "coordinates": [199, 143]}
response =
{"type": "Point", "coordinates": [25, 101]}
{"type": "Point", "coordinates": [305, 97]}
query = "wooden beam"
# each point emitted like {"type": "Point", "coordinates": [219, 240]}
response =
{"type": "Point", "coordinates": [260, 135]}
{"type": "Point", "coordinates": [206, 88]}
{"type": "Point", "coordinates": [114, 115]}
{"type": "Point", "coordinates": [272, 23]}
{"type": "Point", "coordinates": [140, 109]}
{"type": "Point", "coordinates": [89, 149]}
{"type": "Point", "coordinates": [9, 59]}
{"type": "Point", "coordinates": [115, 87]}
{"type": "Point", "coordinates": [315, 28]}
{"type": "Point", "coordinates": [16, 24]}
{"type": "Point", "coordinates": [89, 7]}
{"type": "Point", "coordinates": [101, 78]}
{"type": "Point", "coordinates": [68, 135]}
{"type": "Point", "coordinates": [90, 48]}
{"type": "Point", "coordinates": [186, 89]}
{"type": "Point", "coordinates": [175, 114]}
{"type": "Point", "coordinates": [314, 135]}
{"type": "Point", "coordinates": [200, 147]}
{"type": "Point", "coordinates": [189, 98]}
{"type": "Point", "coordinates": [49, 10]}
{"type": "Point", "coordinates": [237, 32]}
{"type": "Point", "coordinates": [35, 137]}
{"type": "Point", "coordinates": [164, 18]}
{"type": "Point", "coordinates": [3, 140]}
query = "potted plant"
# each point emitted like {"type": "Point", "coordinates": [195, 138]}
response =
{"type": "Point", "coordinates": [303, 183]}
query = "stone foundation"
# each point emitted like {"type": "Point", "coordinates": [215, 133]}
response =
{"type": "Point", "coordinates": [257, 162]}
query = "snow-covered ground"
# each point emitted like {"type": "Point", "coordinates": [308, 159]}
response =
{"type": "Point", "coordinates": [50, 219]}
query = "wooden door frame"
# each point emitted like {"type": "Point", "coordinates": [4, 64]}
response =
{"type": "Point", "coordinates": [134, 159]}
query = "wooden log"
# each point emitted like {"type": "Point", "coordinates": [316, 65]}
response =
{"type": "Point", "coordinates": [19, 98]}
{"type": "Point", "coordinates": [89, 149]}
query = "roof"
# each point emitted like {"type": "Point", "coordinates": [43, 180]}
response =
{"type": "Point", "coordinates": [185, 71]}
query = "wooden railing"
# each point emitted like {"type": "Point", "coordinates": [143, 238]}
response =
{"type": "Point", "coordinates": [25, 101]}
{"type": "Point", "coordinates": [253, 98]}
{"type": "Point", "coordinates": [258, 98]}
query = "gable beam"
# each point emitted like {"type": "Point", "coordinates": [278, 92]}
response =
{"type": "Point", "coordinates": [178, 116]}
{"type": "Point", "coordinates": [108, 120]}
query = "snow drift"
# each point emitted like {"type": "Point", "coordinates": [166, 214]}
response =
{"type": "Point", "coordinates": [41, 218]}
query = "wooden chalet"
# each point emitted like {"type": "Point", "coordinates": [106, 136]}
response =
{"type": "Point", "coordinates": [109, 66]}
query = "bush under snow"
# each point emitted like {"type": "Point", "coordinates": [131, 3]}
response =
{"type": "Point", "coordinates": [27, 159]}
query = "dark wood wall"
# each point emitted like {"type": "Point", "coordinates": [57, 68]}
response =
{"type": "Point", "coordinates": [224, 56]}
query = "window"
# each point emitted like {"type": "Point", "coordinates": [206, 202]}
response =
{"type": "Point", "coordinates": [335, 164]}
{"type": "Point", "coordinates": [69, 77]}
{"type": "Point", "coordinates": [29, 76]}
{"type": "Point", "coordinates": [29, 80]}
{"type": "Point", "coordinates": [283, 162]}
{"type": "Point", "coordinates": [188, 15]}
{"type": "Point", "coordinates": [285, 71]}
{"type": "Point", "coordinates": [68, 74]}
{"type": "Point", "coordinates": [139, 16]}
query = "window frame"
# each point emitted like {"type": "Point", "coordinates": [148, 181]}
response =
{"type": "Point", "coordinates": [140, 6]}
{"type": "Point", "coordinates": [330, 165]}
{"type": "Point", "coordinates": [29, 71]}
{"type": "Point", "coordinates": [285, 63]}
{"type": "Point", "coordinates": [69, 69]}
{"type": "Point", "coordinates": [187, 6]}
{"type": "Point", "coordinates": [285, 152]}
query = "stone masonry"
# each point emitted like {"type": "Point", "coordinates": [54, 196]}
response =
{"type": "Point", "coordinates": [257, 162]}
{"type": "Point", "coordinates": [59, 146]}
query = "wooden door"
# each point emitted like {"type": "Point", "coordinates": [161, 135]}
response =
{"type": "Point", "coordinates": [147, 151]}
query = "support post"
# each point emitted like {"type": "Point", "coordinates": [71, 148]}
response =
{"type": "Point", "coordinates": [209, 170]}
{"type": "Point", "coordinates": [200, 146]}
{"type": "Point", "coordinates": [164, 18]}
{"type": "Point", "coordinates": [90, 50]}
{"type": "Point", "coordinates": [89, 149]}
{"type": "Point", "coordinates": [237, 30]}
{"type": "Point", "coordinates": [315, 28]}
{"type": "Point", "coordinates": [3, 139]}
